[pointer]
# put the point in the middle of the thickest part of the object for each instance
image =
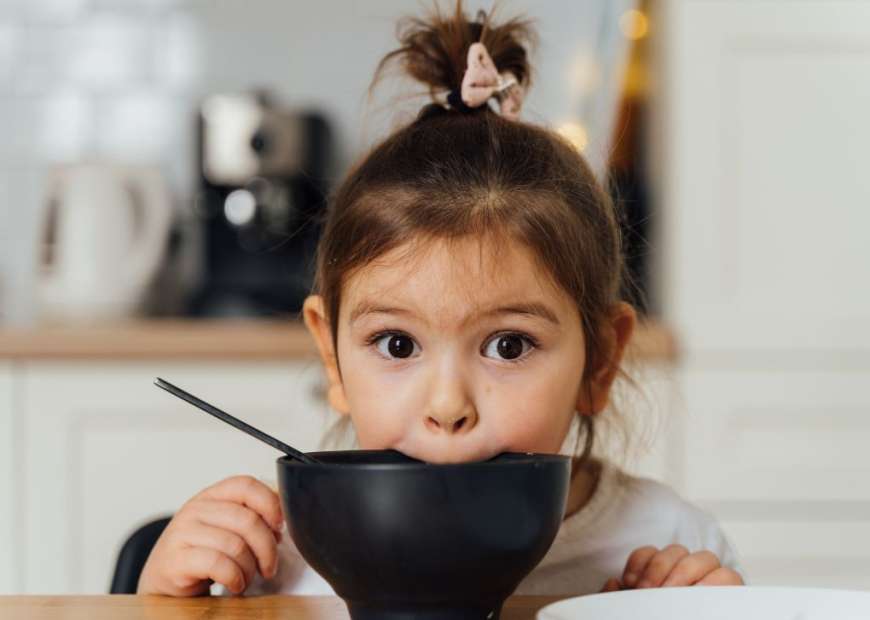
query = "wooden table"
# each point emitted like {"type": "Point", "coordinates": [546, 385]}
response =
{"type": "Point", "coordinates": [128, 607]}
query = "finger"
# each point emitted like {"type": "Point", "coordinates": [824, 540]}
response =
{"type": "Point", "coordinates": [250, 492]}
{"type": "Point", "coordinates": [722, 577]}
{"type": "Point", "coordinates": [247, 524]}
{"type": "Point", "coordinates": [205, 563]}
{"type": "Point", "coordinates": [636, 564]}
{"type": "Point", "coordinates": [660, 566]}
{"type": "Point", "coordinates": [227, 542]}
{"type": "Point", "coordinates": [691, 569]}
{"type": "Point", "coordinates": [612, 585]}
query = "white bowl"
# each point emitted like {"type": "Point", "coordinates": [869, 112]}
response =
{"type": "Point", "coordinates": [714, 603]}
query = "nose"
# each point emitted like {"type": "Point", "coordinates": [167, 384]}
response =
{"type": "Point", "coordinates": [451, 425]}
{"type": "Point", "coordinates": [450, 411]}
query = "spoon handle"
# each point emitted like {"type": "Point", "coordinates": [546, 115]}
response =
{"type": "Point", "coordinates": [233, 421]}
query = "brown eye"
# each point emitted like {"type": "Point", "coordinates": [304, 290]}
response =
{"type": "Point", "coordinates": [507, 347]}
{"type": "Point", "coordinates": [399, 346]}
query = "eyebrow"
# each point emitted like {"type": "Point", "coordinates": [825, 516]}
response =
{"type": "Point", "coordinates": [532, 309]}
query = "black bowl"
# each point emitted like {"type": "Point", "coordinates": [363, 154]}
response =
{"type": "Point", "coordinates": [398, 538]}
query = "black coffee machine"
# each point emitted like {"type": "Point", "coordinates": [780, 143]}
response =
{"type": "Point", "coordinates": [262, 194]}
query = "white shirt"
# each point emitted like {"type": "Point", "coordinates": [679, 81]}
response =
{"type": "Point", "coordinates": [591, 546]}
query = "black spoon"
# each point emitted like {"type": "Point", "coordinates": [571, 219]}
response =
{"type": "Point", "coordinates": [233, 421]}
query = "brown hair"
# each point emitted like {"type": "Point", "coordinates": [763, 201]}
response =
{"type": "Point", "coordinates": [449, 175]}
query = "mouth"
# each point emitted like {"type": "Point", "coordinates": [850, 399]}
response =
{"type": "Point", "coordinates": [448, 453]}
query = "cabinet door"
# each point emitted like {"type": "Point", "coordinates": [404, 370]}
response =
{"type": "Point", "coordinates": [106, 451]}
{"type": "Point", "coordinates": [781, 458]}
{"type": "Point", "coordinates": [9, 582]}
{"type": "Point", "coordinates": [765, 220]}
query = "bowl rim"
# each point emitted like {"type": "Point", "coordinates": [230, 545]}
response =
{"type": "Point", "coordinates": [522, 458]}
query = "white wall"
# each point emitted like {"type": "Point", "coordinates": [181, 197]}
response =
{"type": "Point", "coordinates": [120, 79]}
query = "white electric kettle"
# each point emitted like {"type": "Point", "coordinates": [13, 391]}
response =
{"type": "Point", "coordinates": [103, 238]}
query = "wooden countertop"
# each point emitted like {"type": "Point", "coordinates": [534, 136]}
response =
{"type": "Point", "coordinates": [218, 339]}
{"type": "Point", "coordinates": [130, 607]}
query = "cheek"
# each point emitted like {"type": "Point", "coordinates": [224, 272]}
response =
{"type": "Point", "coordinates": [533, 415]}
{"type": "Point", "coordinates": [376, 427]}
{"type": "Point", "coordinates": [381, 403]}
{"type": "Point", "coordinates": [536, 432]}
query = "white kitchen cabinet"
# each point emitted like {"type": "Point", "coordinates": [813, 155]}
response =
{"type": "Point", "coordinates": [105, 450]}
{"type": "Point", "coordinates": [794, 548]}
{"type": "Point", "coordinates": [780, 456]}
{"type": "Point", "coordinates": [768, 438]}
{"type": "Point", "coordinates": [763, 132]}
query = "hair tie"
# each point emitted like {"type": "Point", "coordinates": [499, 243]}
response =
{"type": "Point", "coordinates": [454, 100]}
{"type": "Point", "coordinates": [482, 81]}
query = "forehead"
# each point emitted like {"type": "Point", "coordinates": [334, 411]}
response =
{"type": "Point", "coordinates": [438, 276]}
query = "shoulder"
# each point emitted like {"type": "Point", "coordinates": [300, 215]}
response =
{"type": "Point", "coordinates": [647, 496]}
{"type": "Point", "coordinates": [658, 510]}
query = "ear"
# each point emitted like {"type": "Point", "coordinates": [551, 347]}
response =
{"type": "Point", "coordinates": [314, 315]}
{"type": "Point", "coordinates": [615, 335]}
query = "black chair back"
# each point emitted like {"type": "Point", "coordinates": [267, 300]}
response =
{"type": "Point", "coordinates": [133, 554]}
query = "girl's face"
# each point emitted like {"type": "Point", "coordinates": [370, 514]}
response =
{"type": "Point", "coordinates": [456, 351]}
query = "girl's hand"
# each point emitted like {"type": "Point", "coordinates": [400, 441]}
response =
{"type": "Point", "coordinates": [649, 567]}
{"type": "Point", "coordinates": [225, 534]}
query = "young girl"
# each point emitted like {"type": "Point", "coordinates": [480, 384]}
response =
{"type": "Point", "coordinates": [466, 303]}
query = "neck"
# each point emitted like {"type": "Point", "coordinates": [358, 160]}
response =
{"type": "Point", "coordinates": [584, 480]}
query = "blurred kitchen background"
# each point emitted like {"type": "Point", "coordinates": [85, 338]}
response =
{"type": "Point", "coordinates": [238, 116]}
{"type": "Point", "coordinates": [163, 165]}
